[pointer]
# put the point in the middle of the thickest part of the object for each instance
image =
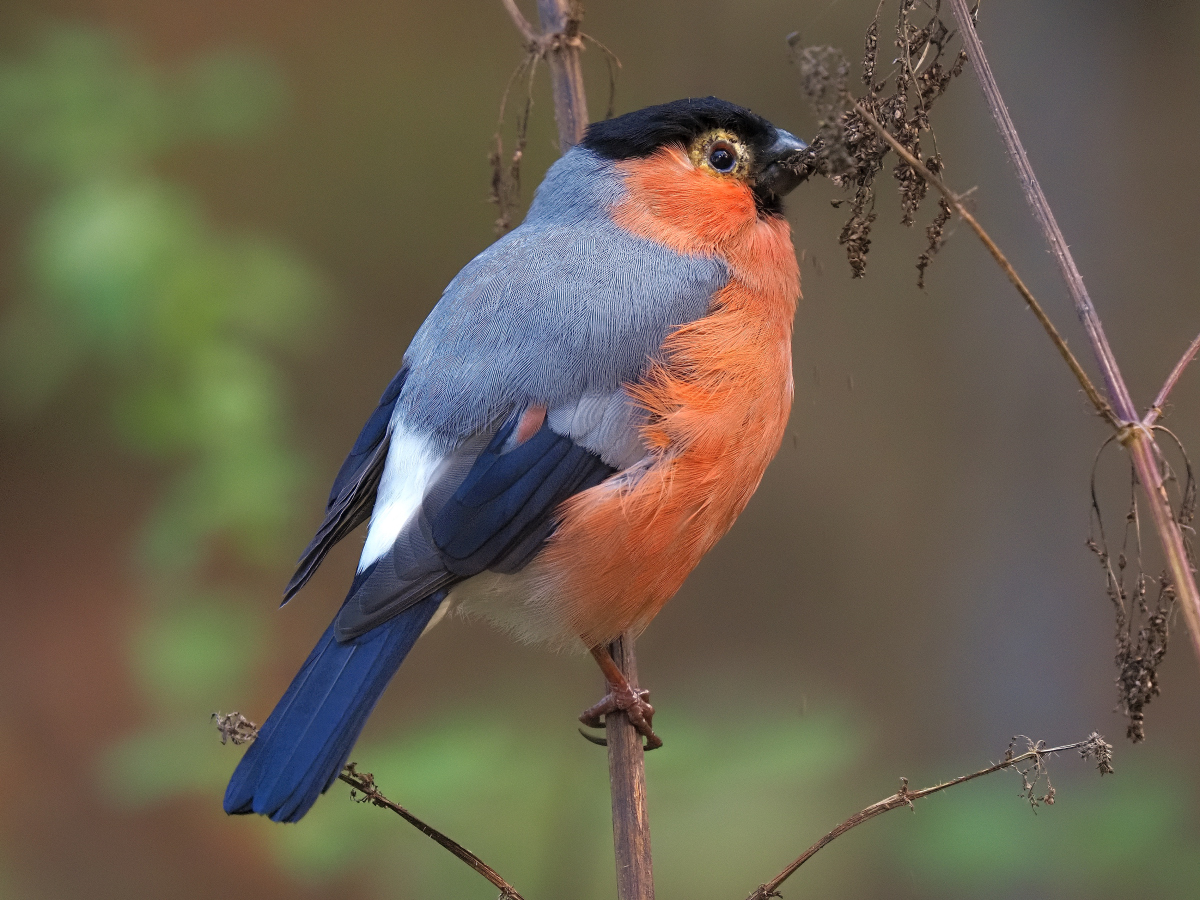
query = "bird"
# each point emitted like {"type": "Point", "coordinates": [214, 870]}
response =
{"type": "Point", "coordinates": [584, 413]}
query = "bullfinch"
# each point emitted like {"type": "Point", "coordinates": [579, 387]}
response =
{"type": "Point", "coordinates": [581, 417]}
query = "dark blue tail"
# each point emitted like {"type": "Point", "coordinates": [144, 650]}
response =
{"type": "Point", "coordinates": [307, 739]}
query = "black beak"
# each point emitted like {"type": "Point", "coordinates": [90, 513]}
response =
{"type": "Point", "coordinates": [783, 166]}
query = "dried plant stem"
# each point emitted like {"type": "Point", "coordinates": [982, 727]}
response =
{"type": "Point", "coordinates": [238, 729]}
{"type": "Point", "coordinates": [561, 41]}
{"type": "Point", "coordinates": [1169, 385]}
{"type": "Point", "coordinates": [523, 25]}
{"type": "Point", "coordinates": [365, 783]}
{"type": "Point", "coordinates": [1093, 746]}
{"type": "Point", "coordinates": [952, 198]}
{"type": "Point", "coordinates": [1114, 383]}
{"type": "Point", "coordinates": [560, 24]}
{"type": "Point", "coordinates": [1136, 438]}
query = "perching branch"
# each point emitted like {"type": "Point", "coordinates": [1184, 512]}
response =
{"type": "Point", "coordinates": [627, 783]}
{"type": "Point", "coordinates": [560, 42]}
{"type": "Point", "coordinates": [1094, 747]}
{"type": "Point", "coordinates": [365, 783]}
{"type": "Point", "coordinates": [1136, 437]}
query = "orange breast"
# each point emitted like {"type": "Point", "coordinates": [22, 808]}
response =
{"type": "Point", "coordinates": [718, 403]}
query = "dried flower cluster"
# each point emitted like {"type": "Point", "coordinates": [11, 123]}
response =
{"type": "Point", "coordinates": [1036, 787]}
{"type": "Point", "coordinates": [848, 150]}
{"type": "Point", "coordinates": [1034, 774]}
{"type": "Point", "coordinates": [1142, 627]}
{"type": "Point", "coordinates": [1095, 747]}
{"type": "Point", "coordinates": [236, 728]}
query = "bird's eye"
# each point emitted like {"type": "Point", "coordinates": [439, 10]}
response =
{"type": "Point", "coordinates": [722, 156]}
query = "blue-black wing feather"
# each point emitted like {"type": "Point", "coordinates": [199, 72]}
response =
{"type": "Point", "coordinates": [353, 494]}
{"type": "Point", "coordinates": [508, 495]}
{"type": "Point", "coordinates": [494, 515]}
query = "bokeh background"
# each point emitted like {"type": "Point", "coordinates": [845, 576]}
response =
{"type": "Point", "coordinates": [221, 223]}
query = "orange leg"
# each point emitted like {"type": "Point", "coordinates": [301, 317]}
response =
{"type": "Point", "coordinates": [623, 697]}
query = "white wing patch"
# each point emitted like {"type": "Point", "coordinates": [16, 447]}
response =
{"type": "Point", "coordinates": [411, 462]}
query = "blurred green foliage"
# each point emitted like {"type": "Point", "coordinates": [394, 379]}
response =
{"type": "Point", "coordinates": [82, 104]}
{"type": "Point", "coordinates": [721, 805]}
{"type": "Point", "coordinates": [184, 323]}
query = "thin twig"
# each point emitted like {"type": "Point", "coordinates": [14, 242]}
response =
{"type": "Point", "coordinates": [1169, 385]}
{"type": "Point", "coordinates": [240, 730]}
{"type": "Point", "coordinates": [523, 24]}
{"type": "Point", "coordinates": [614, 66]}
{"type": "Point", "coordinates": [952, 198]}
{"type": "Point", "coordinates": [1094, 746]}
{"type": "Point", "coordinates": [1137, 439]}
{"type": "Point", "coordinates": [1117, 391]}
{"type": "Point", "coordinates": [365, 784]}
{"type": "Point", "coordinates": [506, 181]}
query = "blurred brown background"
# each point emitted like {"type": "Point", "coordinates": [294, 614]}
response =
{"type": "Point", "coordinates": [909, 588]}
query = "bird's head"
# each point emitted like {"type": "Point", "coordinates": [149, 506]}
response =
{"type": "Point", "coordinates": [742, 152]}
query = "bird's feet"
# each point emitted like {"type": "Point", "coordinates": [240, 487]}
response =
{"type": "Point", "coordinates": [622, 697]}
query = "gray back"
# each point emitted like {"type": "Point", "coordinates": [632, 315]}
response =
{"type": "Point", "coordinates": [566, 304]}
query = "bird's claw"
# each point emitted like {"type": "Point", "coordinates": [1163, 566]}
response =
{"type": "Point", "coordinates": [631, 701]}
{"type": "Point", "coordinates": [593, 739]}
